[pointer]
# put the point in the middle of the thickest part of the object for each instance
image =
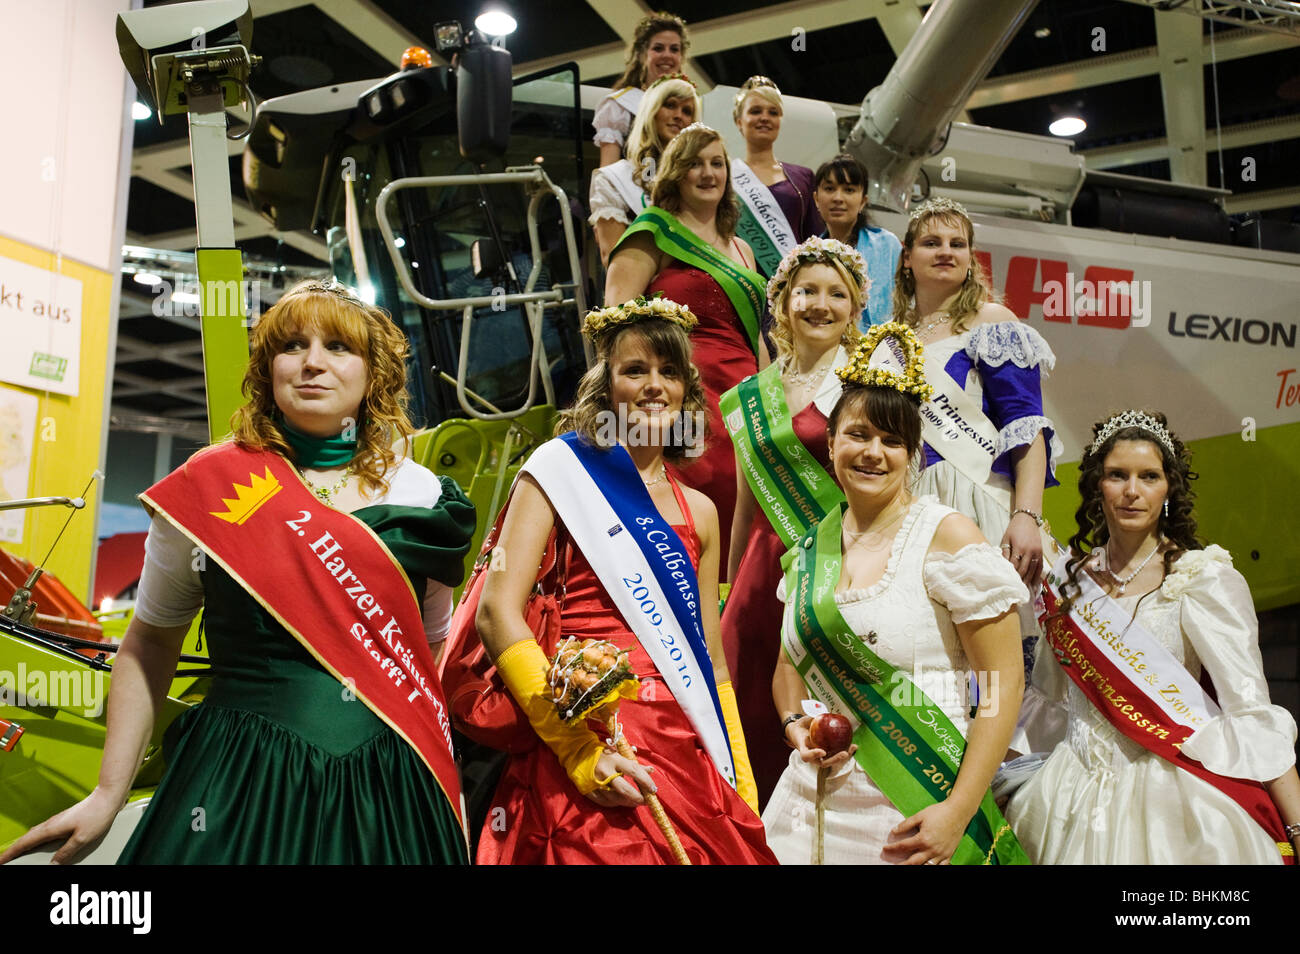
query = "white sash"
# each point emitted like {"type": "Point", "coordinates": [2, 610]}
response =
{"type": "Point", "coordinates": [606, 539]}
{"type": "Point", "coordinates": [1131, 648]}
{"type": "Point", "coordinates": [763, 205]}
{"type": "Point", "coordinates": [620, 174]}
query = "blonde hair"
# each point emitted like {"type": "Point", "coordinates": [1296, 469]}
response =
{"type": "Point", "coordinates": [644, 148]}
{"type": "Point", "coordinates": [781, 333]}
{"type": "Point", "coordinates": [678, 159]}
{"type": "Point", "coordinates": [634, 70]}
{"type": "Point", "coordinates": [761, 87]}
{"type": "Point", "coordinates": [329, 308]}
{"type": "Point", "coordinates": [975, 291]}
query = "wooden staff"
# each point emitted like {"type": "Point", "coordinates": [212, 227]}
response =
{"type": "Point", "coordinates": [651, 799]}
{"type": "Point", "coordinates": [819, 849]}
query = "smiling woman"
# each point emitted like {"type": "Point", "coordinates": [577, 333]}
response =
{"type": "Point", "coordinates": [641, 564]}
{"type": "Point", "coordinates": [658, 45]}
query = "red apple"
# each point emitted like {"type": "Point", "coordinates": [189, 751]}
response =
{"type": "Point", "coordinates": [831, 732]}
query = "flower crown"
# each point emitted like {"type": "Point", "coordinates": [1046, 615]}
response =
{"type": "Point", "coordinates": [817, 250]}
{"type": "Point", "coordinates": [599, 321]}
{"type": "Point", "coordinates": [673, 76]}
{"type": "Point", "coordinates": [889, 356]}
{"type": "Point", "coordinates": [1125, 419]}
{"type": "Point", "coordinates": [938, 205]}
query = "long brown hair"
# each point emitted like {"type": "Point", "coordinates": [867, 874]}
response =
{"type": "Point", "coordinates": [1178, 528]}
{"type": "Point", "coordinates": [634, 71]}
{"type": "Point", "coordinates": [369, 332]}
{"type": "Point", "coordinates": [670, 342]}
{"type": "Point", "coordinates": [975, 290]}
{"type": "Point", "coordinates": [677, 161]}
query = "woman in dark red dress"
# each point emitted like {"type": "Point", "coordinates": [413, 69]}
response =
{"type": "Point", "coordinates": [572, 800]}
{"type": "Point", "coordinates": [685, 247]}
{"type": "Point", "coordinates": [814, 297]}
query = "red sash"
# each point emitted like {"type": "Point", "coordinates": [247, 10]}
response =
{"type": "Point", "coordinates": [328, 580]}
{"type": "Point", "coordinates": [1126, 704]}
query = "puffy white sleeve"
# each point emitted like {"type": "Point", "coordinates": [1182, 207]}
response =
{"type": "Point", "coordinates": [612, 121]}
{"type": "Point", "coordinates": [974, 583]}
{"type": "Point", "coordinates": [170, 591]}
{"type": "Point", "coordinates": [1251, 738]}
{"type": "Point", "coordinates": [604, 200]}
{"type": "Point", "coordinates": [412, 485]}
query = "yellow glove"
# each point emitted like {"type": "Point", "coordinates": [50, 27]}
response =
{"type": "Point", "coordinates": [523, 668]}
{"type": "Point", "coordinates": [745, 785]}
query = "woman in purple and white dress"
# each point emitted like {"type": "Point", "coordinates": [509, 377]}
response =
{"type": "Point", "coordinates": [990, 451]}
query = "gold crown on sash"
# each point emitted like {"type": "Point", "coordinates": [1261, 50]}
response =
{"type": "Point", "coordinates": [938, 205]}
{"type": "Point", "coordinates": [248, 499]}
{"type": "Point", "coordinates": [817, 251]}
{"type": "Point", "coordinates": [673, 76]}
{"type": "Point", "coordinates": [889, 356]}
{"type": "Point", "coordinates": [640, 308]}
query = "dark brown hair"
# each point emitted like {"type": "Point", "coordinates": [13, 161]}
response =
{"type": "Point", "coordinates": [888, 410]}
{"type": "Point", "coordinates": [634, 71]}
{"type": "Point", "coordinates": [845, 170]}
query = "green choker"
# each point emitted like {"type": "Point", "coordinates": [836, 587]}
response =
{"type": "Point", "coordinates": [318, 453]}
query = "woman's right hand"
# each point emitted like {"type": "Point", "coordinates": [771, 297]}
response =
{"type": "Point", "coordinates": [76, 827]}
{"type": "Point", "coordinates": [800, 736]}
{"type": "Point", "coordinates": [620, 793]}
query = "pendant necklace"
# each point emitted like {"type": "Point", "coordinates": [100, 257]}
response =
{"type": "Point", "coordinates": [1123, 581]}
{"type": "Point", "coordinates": [326, 494]}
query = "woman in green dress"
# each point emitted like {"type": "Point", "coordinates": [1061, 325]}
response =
{"type": "Point", "coordinates": [315, 550]}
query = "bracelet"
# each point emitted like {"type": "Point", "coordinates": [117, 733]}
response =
{"type": "Point", "coordinates": [785, 725]}
{"type": "Point", "coordinates": [1292, 830]}
{"type": "Point", "coordinates": [1036, 517]}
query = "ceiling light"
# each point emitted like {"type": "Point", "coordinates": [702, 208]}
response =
{"type": "Point", "coordinates": [1067, 126]}
{"type": "Point", "coordinates": [147, 278]}
{"type": "Point", "coordinates": [495, 23]}
{"type": "Point", "coordinates": [1042, 33]}
{"type": "Point", "coordinates": [399, 242]}
{"type": "Point", "coordinates": [140, 111]}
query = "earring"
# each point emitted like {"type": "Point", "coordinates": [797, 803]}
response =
{"type": "Point", "coordinates": [1166, 506]}
{"type": "Point", "coordinates": [970, 273]}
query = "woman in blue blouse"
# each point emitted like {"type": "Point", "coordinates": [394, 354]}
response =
{"type": "Point", "coordinates": [840, 191]}
{"type": "Point", "coordinates": [989, 449]}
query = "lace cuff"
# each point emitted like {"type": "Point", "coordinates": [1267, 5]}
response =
{"type": "Point", "coordinates": [1022, 431]}
{"type": "Point", "coordinates": [1013, 341]}
{"type": "Point", "coordinates": [974, 583]}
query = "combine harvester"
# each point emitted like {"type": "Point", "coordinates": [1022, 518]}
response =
{"type": "Point", "coordinates": [453, 198]}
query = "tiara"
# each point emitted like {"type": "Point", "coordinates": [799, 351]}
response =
{"type": "Point", "coordinates": [889, 356]}
{"type": "Point", "coordinates": [1137, 419]}
{"type": "Point", "coordinates": [938, 205]}
{"type": "Point", "coordinates": [699, 127]}
{"type": "Point", "coordinates": [673, 76]}
{"type": "Point", "coordinates": [813, 251]}
{"type": "Point", "coordinates": [640, 308]}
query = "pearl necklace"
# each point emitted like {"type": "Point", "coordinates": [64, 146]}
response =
{"type": "Point", "coordinates": [663, 475]}
{"type": "Point", "coordinates": [1123, 581]}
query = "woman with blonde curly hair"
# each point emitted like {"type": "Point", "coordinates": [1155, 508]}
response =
{"type": "Point", "coordinates": [777, 421]}
{"type": "Point", "coordinates": [685, 247]}
{"type": "Point", "coordinates": [1150, 769]}
{"type": "Point", "coordinates": [639, 554]}
{"type": "Point", "coordinates": [658, 47]}
{"type": "Point", "coordinates": [324, 564]}
{"type": "Point", "coordinates": [620, 191]}
{"type": "Point", "coordinates": [989, 449]}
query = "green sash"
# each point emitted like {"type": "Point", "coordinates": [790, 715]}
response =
{"type": "Point", "coordinates": [792, 489]}
{"type": "Point", "coordinates": [746, 290]}
{"type": "Point", "coordinates": [906, 744]}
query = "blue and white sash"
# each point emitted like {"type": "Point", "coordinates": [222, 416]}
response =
{"type": "Point", "coordinates": [644, 567]}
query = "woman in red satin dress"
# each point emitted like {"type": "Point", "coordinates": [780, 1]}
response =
{"type": "Point", "coordinates": [814, 296]}
{"type": "Point", "coordinates": [685, 247]}
{"type": "Point", "coordinates": [564, 801]}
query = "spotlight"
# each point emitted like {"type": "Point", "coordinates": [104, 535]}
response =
{"type": "Point", "coordinates": [1067, 126]}
{"type": "Point", "coordinates": [495, 23]}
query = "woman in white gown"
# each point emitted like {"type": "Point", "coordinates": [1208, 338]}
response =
{"type": "Point", "coordinates": [1103, 797]}
{"type": "Point", "coordinates": [900, 588]}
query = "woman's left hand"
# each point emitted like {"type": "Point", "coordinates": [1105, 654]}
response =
{"type": "Point", "coordinates": [1023, 546]}
{"type": "Point", "coordinates": [937, 830]}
